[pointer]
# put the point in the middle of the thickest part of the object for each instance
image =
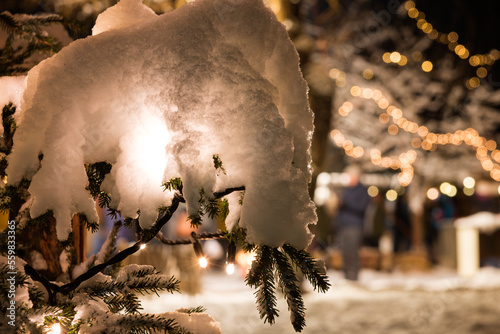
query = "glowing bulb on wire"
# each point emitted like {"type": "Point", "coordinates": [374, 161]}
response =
{"type": "Point", "coordinates": [142, 246]}
{"type": "Point", "coordinates": [203, 262]}
{"type": "Point", "coordinates": [230, 268]}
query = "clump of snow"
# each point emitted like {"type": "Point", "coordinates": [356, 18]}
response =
{"type": "Point", "coordinates": [486, 222]}
{"type": "Point", "coordinates": [37, 260]}
{"type": "Point", "coordinates": [194, 322]}
{"type": "Point", "coordinates": [12, 89]}
{"type": "Point", "coordinates": [126, 13]}
{"type": "Point", "coordinates": [158, 97]}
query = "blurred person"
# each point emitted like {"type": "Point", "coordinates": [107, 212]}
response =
{"type": "Point", "coordinates": [402, 232]}
{"type": "Point", "coordinates": [351, 212]}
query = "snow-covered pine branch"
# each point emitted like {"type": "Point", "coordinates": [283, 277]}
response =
{"type": "Point", "coordinates": [158, 97]}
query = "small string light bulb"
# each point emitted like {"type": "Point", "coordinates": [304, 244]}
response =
{"type": "Point", "coordinates": [230, 268]}
{"type": "Point", "coordinates": [202, 260]}
{"type": "Point", "coordinates": [142, 246]}
{"type": "Point", "coordinates": [231, 256]}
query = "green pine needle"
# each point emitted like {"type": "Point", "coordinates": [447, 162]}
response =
{"type": "Point", "coordinates": [309, 267]}
{"type": "Point", "coordinates": [290, 287]}
{"type": "Point", "coordinates": [261, 276]}
{"type": "Point", "coordinates": [173, 184]}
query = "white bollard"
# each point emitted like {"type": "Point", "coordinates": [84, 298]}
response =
{"type": "Point", "coordinates": [467, 251]}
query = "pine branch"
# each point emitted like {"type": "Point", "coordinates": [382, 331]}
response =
{"type": "Point", "coordinates": [173, 184]}
{"type": "Point", "coordinates": [128, 302]}
{"type": "Point", "coordinates": [146, 236]}
{"type": "Point", "coordinates": [96, 173]}
{"type": "Point", "coordinates": [218, 163]}
{"type": "Point", "coordinates": [8, 22]}
{"type": "Point", "coordinates": [223, 209]}
{"type": "Point", "coordinates": [291, 290]}
{"type": "Point", "coordinates": [261, 276]}
{"type": "Point", "coordinates": [309, 267]}
{"type": "Point", "coordinates": [145, 323]}
{"type": "Point", "coordinates": [155, 284]}
{"type": "Point", "coordinates": [197, 309]}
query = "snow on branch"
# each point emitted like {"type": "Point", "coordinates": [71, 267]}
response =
{"type": "Point", "coordinates": [173, 96]}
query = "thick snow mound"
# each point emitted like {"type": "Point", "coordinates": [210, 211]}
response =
{"type": "Point", "coordinates": [487, 222]}
{"type": "Point", "coordinates": [12, 89]}
{"type": "Point", "coordinates": [158, 97]}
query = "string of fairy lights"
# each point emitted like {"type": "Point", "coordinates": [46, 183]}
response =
{"type": "Point", "coordinates": [486, 150]}
{"type": "Point", "coordinates": [483, 62]}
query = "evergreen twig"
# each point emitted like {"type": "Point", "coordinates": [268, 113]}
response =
{"type": "Point", "coordinates": [261, 276]}
{"type": "Point", "coordinates": [309, 267]}
{"type": "Point", "coordinates": [290, 287]}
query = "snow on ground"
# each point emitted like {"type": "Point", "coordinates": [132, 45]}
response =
{"type": "Point", "coordinates": [434, 302]}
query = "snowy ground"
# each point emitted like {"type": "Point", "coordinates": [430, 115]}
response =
{"type": "Point", "coordinates": [433, 302]}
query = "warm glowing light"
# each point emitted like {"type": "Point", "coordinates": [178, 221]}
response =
{"type": "Point", "coordinates": [358, 152]}
{"type": "Point", "coordinates": [334, 73]}
{"type": "Point", "coordinates": [413, 13]}
{"type": "Point", "coordinates": [472, 83]}
{"type": "Point", "coordinates": [432, 194]}
{"type": "Point", "coordinates": [491, 145]}
{"type": "Point", "coordinates": [421, 22]}
{"type": "Point", "coordinates": [355, 91]}
{"type": "Point", "coordinates": [409, 5]}
{"type": "Point", "coordinates": [416, 56]}
{"type": "Point", "coordinates": [495, 54]}
{"type": "Point", "coordinates": [448, 189]}
{"type": "Point", "coordinates": [469, 191]}
{"type": "Point", "coordinates": [367, 93]}
{"type": "Point", "coordinates": [403, 61]}
{"type": "Point", "coordinates": [383, 103]}
{"type": "Point", "coordinates": [453, 36]}
{"type": "Point", "coordinates": [445, 187]}
{"type": "Point", "coordinates": [383, 118]}
{"type": "Point", "coordinates": [427, 66]}
{"type": "Point", "coordinates": [496, 155]}
{"type": "Point", "coordinates": [393, 129]}
{"type": "Point", "coordinates": [391, 195]}
{"type": "Point", "coordinates": [321, 195]}
{"type": "Point", "coordinates": [469, 182]}
{"type": "Point", "coordinates": [55, 329]}
{"type": "Point", "coordinates": [245, 260]}
{"type": "Point", "coordinates": [142, 246]}
{"type": "Point", "coordinates": [373, 191]}
{"type": "Point", "coordinates": [464, 54]}
{"type": "Point", "coordinates": [203, 262]}
{"type": "Point", "coordinates": [386, 57]}
{"type": "Point", "coordinates": [230, 268]}
{"type": "Point", "coordinates": [395, 57]}
{"type": "Point", "coordinates": [433, 34]}
{"type": "Point", "coordinates": [427, 28]}
{"type": "Point", "coordinates": [481, 72]}
{"type": "Point", "coordinates": [368, 74]}
{"type": "Point", "coordinates": [323, 179]}
{"type": "Point", "coordinates": [397, 113]}
{"type": "Point", "coordinates": [452, 192]}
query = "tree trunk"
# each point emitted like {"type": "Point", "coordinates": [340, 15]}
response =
{"type": "Point", "coordinates": [79, 240]}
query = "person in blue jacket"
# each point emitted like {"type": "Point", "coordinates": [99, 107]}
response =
{"type": "Point", "coordinates": [352, 207]}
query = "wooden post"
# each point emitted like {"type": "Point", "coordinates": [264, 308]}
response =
{"type": "Point", "coordinates": [79, 240]}
{"type": "Point", "coordinates": [467, 251]}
